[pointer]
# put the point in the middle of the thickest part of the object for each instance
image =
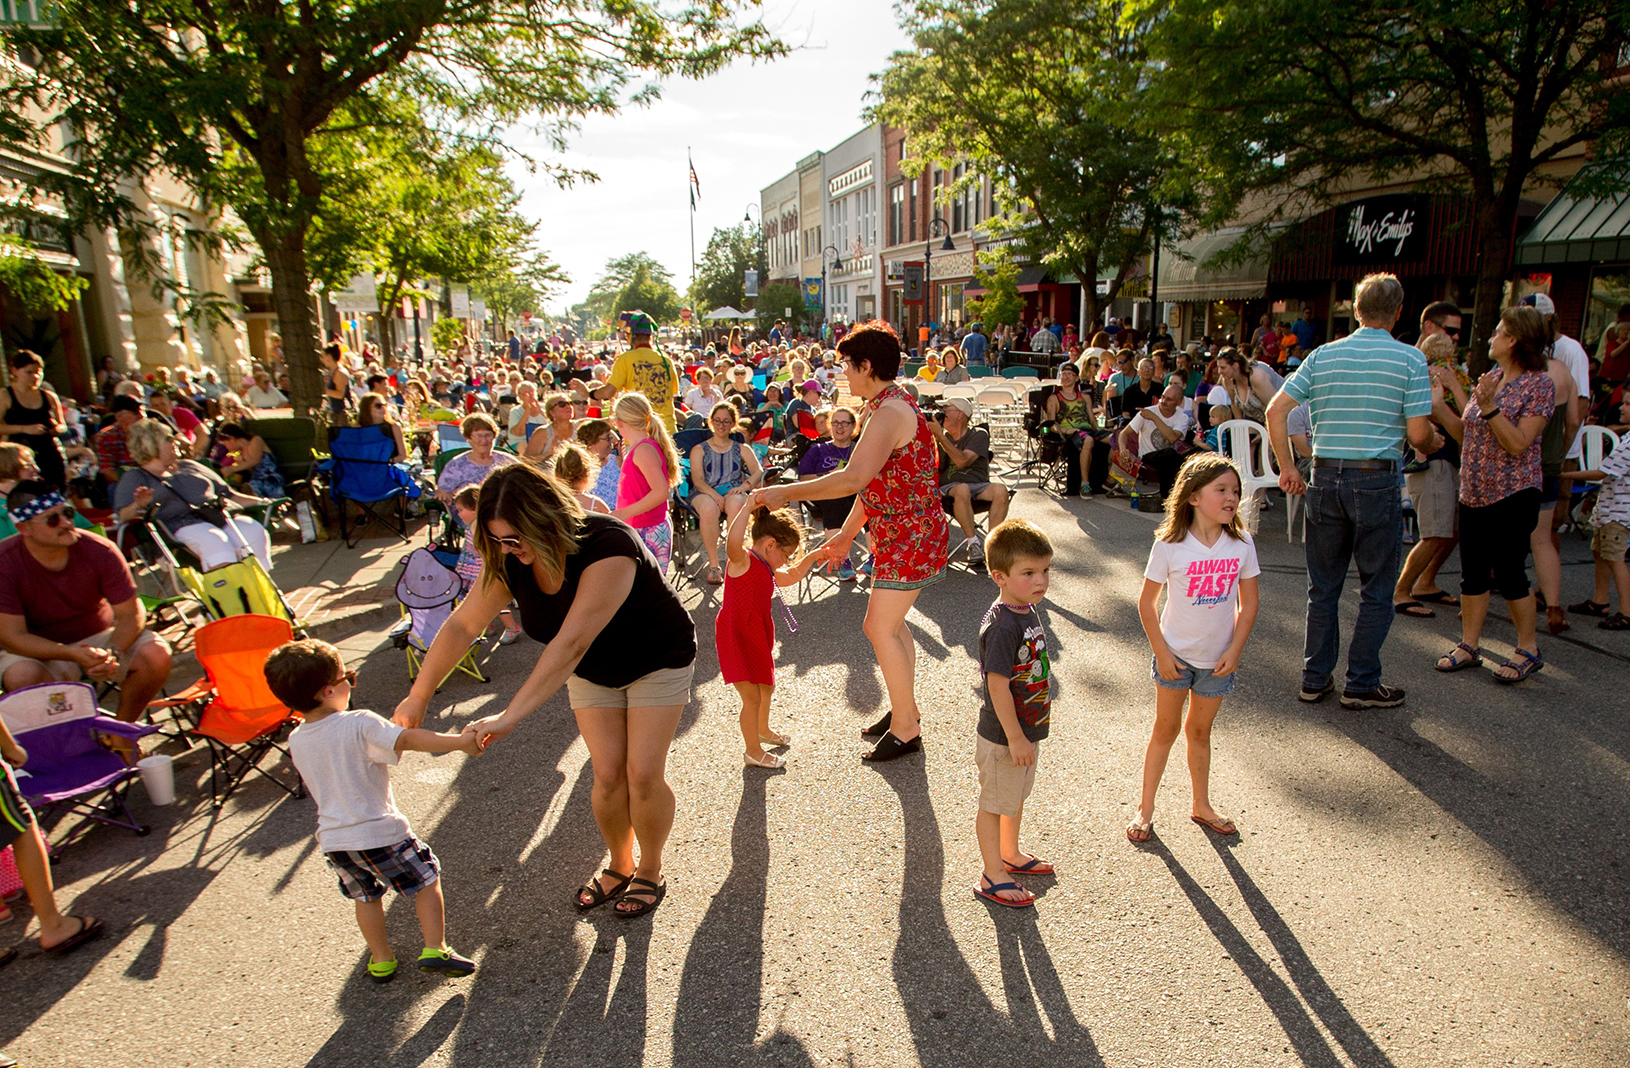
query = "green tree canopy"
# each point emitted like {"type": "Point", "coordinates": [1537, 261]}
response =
{"type": "Point", "coordinates": [228, 95]}
{"type": "Point", "coordinates": [773, 302]}
{"type": "Point", "coordinates": [1002, 304]}
{"type": "Point", "coordinates": [1050, 102]}
{"type": "Point", "coordinates": [1472, 97]}
{"type": "Point", "coordinates": [650, 293]}
{"type": "Point", "coordinates": [721, 279]}
{"type": "Point", "coordinates": [606, 295]}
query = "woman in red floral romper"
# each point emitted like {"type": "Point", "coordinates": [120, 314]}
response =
{"type": "Point", "coordinates": [894, 471]}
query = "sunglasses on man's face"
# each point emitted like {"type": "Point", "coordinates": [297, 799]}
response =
{"type": "Point", "coordinates": [349, 678]}
{"type": "Point", "coordinates": [64, 515]}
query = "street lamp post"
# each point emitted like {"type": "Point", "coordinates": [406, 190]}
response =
{"type": "Point", "coordinates": [936, 227]}
{"type": "Point", "coordinates": [837, 265]}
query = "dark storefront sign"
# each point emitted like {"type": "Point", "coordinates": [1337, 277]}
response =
{"type": "Point", "coordinates": [1378, 231]}
{"type": "Point", "coordinates": [1409, 235]}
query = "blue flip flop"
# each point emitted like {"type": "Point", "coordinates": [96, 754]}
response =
{"type": "Point", "coordinates": [993, 895]}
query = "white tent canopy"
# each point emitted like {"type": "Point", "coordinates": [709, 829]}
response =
{"type": "Point", "coordinates": [727, 312]}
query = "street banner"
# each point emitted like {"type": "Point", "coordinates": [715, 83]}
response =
{"type": "Point", "coordinates": [812, 293]}
{"type": "Point", "coordinates": [358, 296]}
{"type": "Point", "coordinates": [914, 282]}
{"type": "Point", "coordinates": [752, 283]}
{"type": "Point", "coordinates": [459, 300]}
{"type": "Point", "coordinates": [478, 310]}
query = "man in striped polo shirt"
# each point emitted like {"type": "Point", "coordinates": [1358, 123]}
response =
{"type": "Point", "coordinates": [1366, 393]}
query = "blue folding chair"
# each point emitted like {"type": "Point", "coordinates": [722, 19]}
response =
{"type": "Point", "coordinates": [360, 470]}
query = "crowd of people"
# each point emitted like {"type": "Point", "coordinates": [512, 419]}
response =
{"type": "Point", "coordinates": [564, 490]}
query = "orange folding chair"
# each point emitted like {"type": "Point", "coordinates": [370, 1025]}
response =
{"type": "Point", "coordinates": [235, 711]}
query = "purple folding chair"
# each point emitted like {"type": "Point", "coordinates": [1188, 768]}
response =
{"type": "Point", "coordinates": [68, 770]}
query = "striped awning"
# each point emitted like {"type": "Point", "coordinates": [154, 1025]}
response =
{"type": "Point", "coordinates": [1184, 275]}
{"type": "Point", "coordinates": [1580, 228]}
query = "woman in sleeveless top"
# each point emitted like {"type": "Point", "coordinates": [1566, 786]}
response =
{"type": "Point", "coordinates": [723, 472]}
{"type": "Point", "coordinates": [650, 470]}
{"type": "Point", "coordinates": [33, 417]}
{"type": "Point", "coordinates": [1071, 411]}
{"type": "Point", "coordinates": [336, 383]}
{"type": "Point", "coordinates": [612, 632]}
{"type": "Point", "coordinates": [894, 469]}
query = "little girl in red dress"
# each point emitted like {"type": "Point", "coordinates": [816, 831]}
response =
{"type": "Point", "coordinates": [745, 628]}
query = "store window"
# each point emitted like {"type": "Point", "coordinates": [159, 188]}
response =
{"type": "Point", "coordinates": [1609, 291]}
{"type": "Point", "coordinates": [950, 303]}
{"type": "Point", "coordinates": [911, 213]}
{"type": "Point", "coordinates": [897, 211]}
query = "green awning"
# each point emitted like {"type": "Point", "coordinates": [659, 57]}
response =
{"type": "Point", "coordinates": [1575, 228]}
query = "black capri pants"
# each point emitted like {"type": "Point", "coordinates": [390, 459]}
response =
{"type": "Point", "coordinates": [1494, 545]}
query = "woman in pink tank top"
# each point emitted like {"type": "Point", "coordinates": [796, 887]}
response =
{"type": "Point", "coordinates": [650, 469]}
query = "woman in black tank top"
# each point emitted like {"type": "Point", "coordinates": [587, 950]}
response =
{"type": "Point", "coordinates": [33, 417]}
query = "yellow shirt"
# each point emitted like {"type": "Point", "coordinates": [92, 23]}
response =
{"type": "Point", "coordinates": [647, 371]}
{"type": "Point", "coordinates": [927, 373]}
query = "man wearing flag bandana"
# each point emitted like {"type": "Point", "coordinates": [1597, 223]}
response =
{"type": "Point", "coordinates": [68, 606]}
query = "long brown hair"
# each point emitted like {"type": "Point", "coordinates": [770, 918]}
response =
{"type": "Point", "coordinates": [1201, 470]}
{"type": "Point", "coordinates": [541, 510]}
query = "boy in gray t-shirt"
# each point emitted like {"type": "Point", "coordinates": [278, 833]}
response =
{"type": "Point", "coordinates": [1015, 713]}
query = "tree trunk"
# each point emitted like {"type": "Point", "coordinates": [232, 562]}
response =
{"type": "Point", "coordinates": [1090, 307]}
{"type": "Point", "coordinates": [285, 253]}
{"type": "Point", "coordinates": [1496, 222]}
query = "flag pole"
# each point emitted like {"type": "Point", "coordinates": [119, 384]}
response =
{"type": "Point", "coordinates": [690, 189]}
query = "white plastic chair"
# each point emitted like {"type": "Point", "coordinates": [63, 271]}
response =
{"type": "Point", "coordinates": [1255, 464]}
{"type": "Point", "coordinates": [1597, 442]}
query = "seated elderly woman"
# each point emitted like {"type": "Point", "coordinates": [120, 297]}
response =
{"type": "Point", "coordinates": [188, 498]}
{"type": "Point", "coordinates": [471, 467]}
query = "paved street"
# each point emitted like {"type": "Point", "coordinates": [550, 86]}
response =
{"type": "Point", "coordinates": [1442, 884]}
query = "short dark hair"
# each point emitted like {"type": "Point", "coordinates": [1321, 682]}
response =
{"type": "Point", "coordinates": [876, 344]}
{"type": "Point", "coordinates": [1438, 311]}
{"type": "Point", "coordinates": [24, 358]}
{"type": "Point", "coordinates": [25, 491]}
{"type": "Point", "coordinates": [1015, 540]}
{"type": "Point", "coordinates": [235, 431]}
{"type": "Point", "coordinates": [298, 671]}
{"type": "Point", "coordinates": [124, 402]}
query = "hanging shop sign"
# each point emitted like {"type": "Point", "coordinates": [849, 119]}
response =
{"type": "Point", "coordinates": [1381, 230]}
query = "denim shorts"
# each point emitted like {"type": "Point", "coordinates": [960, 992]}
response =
{"type": "Point", "coordinates": [1189, 677]}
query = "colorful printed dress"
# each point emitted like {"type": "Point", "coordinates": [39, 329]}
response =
{"type": "Point", "coordinates": [745, 628]}
{"type": "Point", "coordinates": [903, 512]}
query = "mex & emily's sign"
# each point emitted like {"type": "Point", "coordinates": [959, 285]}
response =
{"type": "Point", "coordinates": [1381, 230]}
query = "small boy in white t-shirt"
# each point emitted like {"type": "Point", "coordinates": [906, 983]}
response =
{"type": "Point", "coordinates": [1206, 562]}
{"type": "Point", "coordinates": [344, 757]}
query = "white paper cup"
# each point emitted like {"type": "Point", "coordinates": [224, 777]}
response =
{"type": "Point", "coordinates": [158, 778]}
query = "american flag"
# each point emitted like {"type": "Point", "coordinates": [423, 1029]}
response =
{"type": "Point", "coordinates": [695, 183]}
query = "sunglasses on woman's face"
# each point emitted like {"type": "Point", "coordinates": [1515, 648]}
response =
{"type": "Point", "coordinates": [506, 543]}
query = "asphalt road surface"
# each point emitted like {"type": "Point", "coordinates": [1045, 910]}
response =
{"type": "Point", "coordinates": [1442, 884]}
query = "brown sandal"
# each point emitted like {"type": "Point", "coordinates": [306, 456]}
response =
{"type": "Point", "coordinates": [1556, 619]}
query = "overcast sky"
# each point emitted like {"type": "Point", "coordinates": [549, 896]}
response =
{"type": "Point", "coordinates": [746, 127]}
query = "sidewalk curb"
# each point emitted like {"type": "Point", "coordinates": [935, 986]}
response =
{"type": "Point", "coordinates": [347, 625]}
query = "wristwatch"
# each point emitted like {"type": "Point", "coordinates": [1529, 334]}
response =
{"type": "Point", "coordinates": [1490, 414]}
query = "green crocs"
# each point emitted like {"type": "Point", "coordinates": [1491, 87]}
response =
{"type": "Point", "coordinates": [446, 961]}
{"type": "Point", "coordinates": [382, 971]}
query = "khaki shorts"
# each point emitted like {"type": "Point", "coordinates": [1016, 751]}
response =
{"type": "Point", "coordinates": [1003, 785]}
{"type": "Point", "coordinates": [1435, 493]}
{"type": "Point", "coordinates": [663, 688]}
{"type": "Point", "coordinates": [68, 671]}
{"type": "Point", "coordinates": [1610, 541]}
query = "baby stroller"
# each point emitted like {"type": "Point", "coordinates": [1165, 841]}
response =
{"type": "Point", "coordinates": [428, 591]}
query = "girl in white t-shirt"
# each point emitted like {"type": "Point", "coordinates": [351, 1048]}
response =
{"type": "Point", "coordinates": [1207, 564]}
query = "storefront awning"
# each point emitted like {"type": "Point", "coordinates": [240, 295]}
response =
{"type": "Point", "coordinates": [1184, 276]}
{"type": "Point", "coordinates": [1576, 228]}
{"type": "Point", "coordinates": [1030, 280]}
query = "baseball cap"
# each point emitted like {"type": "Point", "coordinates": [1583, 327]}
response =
{"type": "Point", "coordinates": [1541, 302]}
{"type": "Point", "coordinates": [962, 403]}
{"type": "Point", "coordinates": [124, 402]}
{"type": "Point", "coordinates": [811, 386]}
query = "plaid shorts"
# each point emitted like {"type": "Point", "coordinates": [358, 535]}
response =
{"type": "Point", "coordinates": [409, 866]}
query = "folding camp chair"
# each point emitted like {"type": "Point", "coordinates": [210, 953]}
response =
{"type": "Point", "coordinates": [958, 557]}
{"type": "Point", "coordinates": [69, 772]}
{"type": "Point", "coordinates": [239, 588]}
{"type": "Point", "coordinates": [236, 713]}
{"type": "Point", "coordinates": [428, 590]}
{"type": "Point", "coordinates": [681, 513]}
{"type": "Point", "coordinates": [360, 470]}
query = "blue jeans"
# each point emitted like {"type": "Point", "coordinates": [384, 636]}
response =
{"type": "Point", "coordinates": [1352, 517]}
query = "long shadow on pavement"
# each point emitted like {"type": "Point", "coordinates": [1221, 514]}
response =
{"type": "Point", "coordinates": [720, 989]}
{"type": "Point", "coordinates": [952, 1020]}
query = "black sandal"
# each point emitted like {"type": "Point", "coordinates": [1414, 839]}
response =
{"type": "Point", "coordinates": [1616, 621]}
{"type": "Point", "coordinates": [598, 895]}
{"type": "Point", "coordinates": [1531, 662]}
{"type": "Point", "coordinates": [891, 748]}
{"type": "Point", "coordinates": [1589, 608]}
{"type": "Point", "coordinates": [1475, 655]}
{"type": "Point", "coordinates": [880, 728]}
{"type": "Point", "coordinates": [656, 893]}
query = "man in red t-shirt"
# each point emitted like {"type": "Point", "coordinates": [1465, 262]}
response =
{"type": "Point", "coordinates": [68, 606]}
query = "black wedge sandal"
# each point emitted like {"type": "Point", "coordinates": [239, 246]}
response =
{"type": "Point", "coordinates": [636, 898]}
{"type": "Point", "coordinates": [598, 896]}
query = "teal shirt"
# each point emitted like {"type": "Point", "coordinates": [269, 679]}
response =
{"type": "Point", "coordinates": [1360, 392]}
